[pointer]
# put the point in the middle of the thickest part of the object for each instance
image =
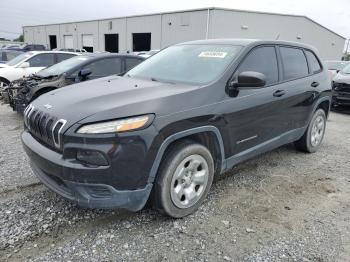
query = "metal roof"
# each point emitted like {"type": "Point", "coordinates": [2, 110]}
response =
{"type": "Point", "coordinates": [193, 10]}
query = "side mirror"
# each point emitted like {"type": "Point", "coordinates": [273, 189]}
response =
{"type": "Point", "coordinates": [248, 80]}
{"type": "Point", "coordinates": [84, 73]}
{"type": "Point", "coordinates": [24, 65]}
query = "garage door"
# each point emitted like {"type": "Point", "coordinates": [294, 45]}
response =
{"type": "Point", "coordinates": [68, 41]}
{"type": "Point", "coordinates": [88, 42]}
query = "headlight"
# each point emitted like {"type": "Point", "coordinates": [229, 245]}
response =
{"type": "Point", "coordinates": [114, 126]}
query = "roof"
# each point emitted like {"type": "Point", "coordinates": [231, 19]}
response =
{"type": "Point", "coordinates": [50, 52]}
{"type": "Point", "coordinates": [198, 9]}
{"type": "Point", "coordinates": [97, 55]}
{"type": "Point", "coordinates": [245, 42]}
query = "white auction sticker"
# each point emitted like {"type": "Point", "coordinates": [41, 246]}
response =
{"type": "Point", "coordinates": [213, 54]}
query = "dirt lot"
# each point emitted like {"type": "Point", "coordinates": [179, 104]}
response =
{"type": "Point", "coordinates": [282, 206]}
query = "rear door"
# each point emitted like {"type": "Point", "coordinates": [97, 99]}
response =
{"type": "Point", "coordinates": [297, 82]}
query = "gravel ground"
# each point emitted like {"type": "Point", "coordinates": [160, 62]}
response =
{"type": "Point", "coordinates": [281, 206]}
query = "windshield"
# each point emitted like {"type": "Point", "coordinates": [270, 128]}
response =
{"type": "Point", "coordinates": [18, 59]}
{"type": "Point", "coordinates": [336, 65]}
{"type": "Point", "coordinates": [346, 70]}
{"type": "Point", "coordinates": [194, 64]}
{"type": "Point", "coordinates": [63, 66]}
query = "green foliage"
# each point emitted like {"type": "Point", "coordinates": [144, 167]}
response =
{"type": "Point", "coordinates": [19, 39]}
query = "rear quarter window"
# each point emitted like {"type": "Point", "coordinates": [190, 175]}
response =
{"type": "Point", "coordinates": [294, 63]}
{"type": "Point", "coordinates": [314, 64]}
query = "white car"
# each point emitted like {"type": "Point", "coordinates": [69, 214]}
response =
{"type": "Point", "coordinates": [147, 54]}
{"type": "Point", "coordinates": [30, 63]}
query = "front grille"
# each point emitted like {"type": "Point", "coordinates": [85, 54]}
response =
{"type": "Point", "coordinates": [44, 127]}
{"type": "Point", "coordinates": [342, 87]}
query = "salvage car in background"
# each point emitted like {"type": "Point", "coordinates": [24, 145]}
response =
{"type": "Point", "coordinates": [341, 88]}
{"type": "Point", "coordinates": [28, 47]}
{"type": "Point", "coordinates": [335, 66]}
{"type": "Point", "coordinates": [70, 71]}
{"type": "Point", "coordinates": [27, 64]}
{"type": "Point", "coordinates": [7, 55]}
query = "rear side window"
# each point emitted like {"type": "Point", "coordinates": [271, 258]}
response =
{"type": "Point", "coordinates": [131, 62]}
{"type": "Point", "coordinates": [294, 63]}
{"type": "Point", "coordinates": [42, 60]}
{"type": "Point", "coordinates": [262, 60]}
{"type": "Point", "coordinates": [314, 64]}
{"type": "Point", "coordinates": [105, 67]}
{"type": "Point", "coordinates": [62, 57]}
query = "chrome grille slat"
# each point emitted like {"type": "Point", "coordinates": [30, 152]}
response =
{"type": "Point", "coordinates": [45, 128]}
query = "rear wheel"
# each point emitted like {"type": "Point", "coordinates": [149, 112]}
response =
{"type": "Point", "coordinates": [184, 179]}
{"type": "Point", "coordinates": [313, 136]}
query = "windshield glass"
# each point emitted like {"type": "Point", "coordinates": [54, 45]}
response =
{"type": "Point", "coordinates": [63, 66]}
{"type": "Point", "coordinates": [336, 65]}
{"type": "Point", "coordinates": [194, 64]}
{"type": "Point", "coordinates": [346, 70]}
{"type": "Point", "coordinates": [18, 59]}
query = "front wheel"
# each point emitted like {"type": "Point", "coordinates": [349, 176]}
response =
{"type": "Point", "coordinates": [184, 179]}
{"type": "Point", "coordinates": [313, 136]}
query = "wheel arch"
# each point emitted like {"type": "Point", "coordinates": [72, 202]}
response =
{"type": "Point", "coordinates": [324, 103]}
{"type": "Point", "coordinates": [209, 136]}
{"type": "Point", "coordinates": [41, 91]}
{"type": "Point", "coordinates": [5, 79]}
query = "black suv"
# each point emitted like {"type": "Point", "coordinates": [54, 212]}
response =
{"type": "Point", "coordinates": [29, 47]}
{"type": "Point", "coordinates": [164, 129]}
{"type": "Point", "coordinates": [70, 71]}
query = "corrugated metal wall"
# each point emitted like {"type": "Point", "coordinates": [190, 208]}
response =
{"type": "Point", "coordinates": [171, 28]}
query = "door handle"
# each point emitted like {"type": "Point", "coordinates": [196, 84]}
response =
{"type": "Point", "coordinates": [279, 93]}
{"type": "Point", "coordinates": [315, 84]}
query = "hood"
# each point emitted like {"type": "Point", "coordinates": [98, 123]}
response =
{"type": "Point", "coordinates": [4, 65]}
{"type": "Point", "coordinates": [118, 97]}
{"type": "Point", "coordinates": [342, 78]}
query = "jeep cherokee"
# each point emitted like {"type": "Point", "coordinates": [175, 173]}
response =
{"type": "Point", "coordinates": [163, 130]}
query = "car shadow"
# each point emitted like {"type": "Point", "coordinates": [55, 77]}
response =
{"type": "Point", "coordinates": [342, 110]}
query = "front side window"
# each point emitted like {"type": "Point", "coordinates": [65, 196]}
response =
{"type": "Point", "coordinates": [42, 60]}
{"type": "Point", "coordinates": [63, 67]}
{"type": "Point", "coordinates": [105, 67]}
{"type": "Point", "coordinates": [315, 66]}
{"type": "Point", "coordinates": [262, 60]}
{"type": "Point", "coordinates": [191, 63]}
{"type": "Point", "coordinates": [294, 63]}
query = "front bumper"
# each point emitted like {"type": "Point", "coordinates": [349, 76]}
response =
{"type": "Point", "coordinates": [73, 181]}
{"type": "Point", "coordinates": [341, 98]}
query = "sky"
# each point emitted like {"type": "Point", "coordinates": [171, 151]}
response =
{"type": "Point", "coordinates": [333, 14]}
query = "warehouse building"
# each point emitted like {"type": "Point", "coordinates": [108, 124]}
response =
{"type": "Point", "coordinates": [156, 31]}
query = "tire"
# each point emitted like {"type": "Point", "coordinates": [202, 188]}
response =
{"type": "Point", "coordinates": [188, 167]}
{"type": "Point", "coordinates": [308, 142]}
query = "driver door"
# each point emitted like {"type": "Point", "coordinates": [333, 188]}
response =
{"type": "Point", "coordinates": [256, 115]}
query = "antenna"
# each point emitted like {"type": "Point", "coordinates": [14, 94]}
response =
{"type": "Point", "coordinates": [278, 36]}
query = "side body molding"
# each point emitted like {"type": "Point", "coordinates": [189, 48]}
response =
{"type": "Point", "coordinates": [182, 134]}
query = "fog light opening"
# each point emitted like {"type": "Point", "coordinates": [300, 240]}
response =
{"type": "Point", "coordinates": [91, 157]}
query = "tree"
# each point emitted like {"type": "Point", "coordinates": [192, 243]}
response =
{"type": "Point", "coordinates": [19, 39]}
{"type": "Point", "coordinates": [347, 57]}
